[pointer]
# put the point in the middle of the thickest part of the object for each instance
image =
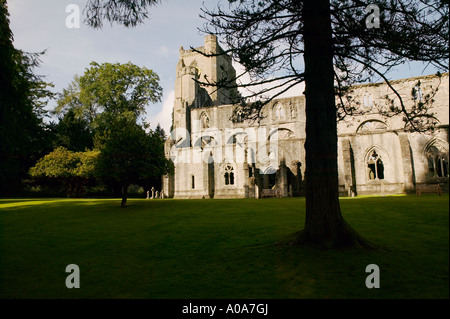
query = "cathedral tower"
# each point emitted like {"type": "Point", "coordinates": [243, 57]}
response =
{"type": "Point", "coordinates": [203, 64]}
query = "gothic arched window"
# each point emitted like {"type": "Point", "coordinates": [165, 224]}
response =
{"type": "Point", "coordinates": [375, 166]}
{"type": "Point", "coordinates": [372, 126]}
{"type": "Point", "coordinates": [238, 115]}
{"type": "Point", "coordinates": [279, 114]}
{"type": "Point", "coordinates": [437, 162]}
{"type": "Point", "coordinates": [229, 175]}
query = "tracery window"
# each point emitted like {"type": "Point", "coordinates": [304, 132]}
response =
{"type": "Point", "coordinates": [372, 126]}
{"type": "Point", "coordinates": [279, 114]}
{"type": "Point", "coordinates": [375, 166]}
{"type": "Point", "coordinates": [285, 134]}
{"type": "Point", "coordinates": [437, 162]}
{"type": "Point", "coordinates": [229, 175]}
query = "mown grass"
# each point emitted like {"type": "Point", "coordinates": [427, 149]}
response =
{"type": "Point", "coordinates": [218, 249]}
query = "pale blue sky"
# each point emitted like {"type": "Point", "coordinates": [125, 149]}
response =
{"type": "Point", "coordinates": [40, 25]}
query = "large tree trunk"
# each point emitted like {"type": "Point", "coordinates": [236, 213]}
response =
{"type": "Point", "coordinates": [324, 224]}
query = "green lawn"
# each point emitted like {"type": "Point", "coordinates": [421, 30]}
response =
{"type": "Point", "coordinates": [218, 249]}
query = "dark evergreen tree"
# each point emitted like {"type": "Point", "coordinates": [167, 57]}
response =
{"type": "Point", "coordinates": [160, 131]}
{"type": "Point", "coordinates": [324, 42]}
{"type": "Point", "coordinates": [23, 136]}
{"type": "Point", "coordinates": [73, 133]}
{"type": "Point", "coordinates": [125, 12]}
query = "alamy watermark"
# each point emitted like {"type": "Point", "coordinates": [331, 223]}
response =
{"type": "Point", "coordinates": [73, 280]}
{"type": "Point", "coordinates": [373, 19]}
{"type": "Point", "coordinates": [73, 19]}
{"type": "Point", "coordinates": [373, 280]}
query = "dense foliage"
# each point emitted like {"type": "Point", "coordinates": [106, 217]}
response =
{"type": "Point", "coordinates": [128, 154]}
{"type": "Point", "coordinates": [125, 12]}
{"type": "Point", "coordinates": [23, 95]}
{"type": "Point", "coordinates": [112, 88]}
{"type": "Point", "coordinates": [70, 171]}
{"type": "Point", "coordinates": [105, 106]}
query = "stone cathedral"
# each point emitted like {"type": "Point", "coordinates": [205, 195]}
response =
{"type": "Point", "coordinates": [215, 157]}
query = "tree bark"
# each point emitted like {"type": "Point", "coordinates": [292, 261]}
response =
{"type": "Point", "coordinates": [324, 224]}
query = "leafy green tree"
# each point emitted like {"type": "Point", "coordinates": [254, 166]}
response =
{"type": "Point", "coordinates": [23, 95]}
{"type": "Point", "coordinates": [71, 170]}
{"type": "Point", "coordinates": [113, 97]}
{"type": "Point", "coordinates": [128, 154]}
{"type": "Point", "coordinates": [111, 88]}
{"type": "Point", "coordinates": [69, 99]}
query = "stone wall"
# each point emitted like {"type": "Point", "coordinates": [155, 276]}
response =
{"type": "Point", "coordinates": [376, 155]}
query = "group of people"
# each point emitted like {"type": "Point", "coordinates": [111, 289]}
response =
{"type": "Point", "coordinates": [155, 194]}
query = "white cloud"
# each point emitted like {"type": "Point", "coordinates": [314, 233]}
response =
{"type": "Point", "coordinates": [164, 117]}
